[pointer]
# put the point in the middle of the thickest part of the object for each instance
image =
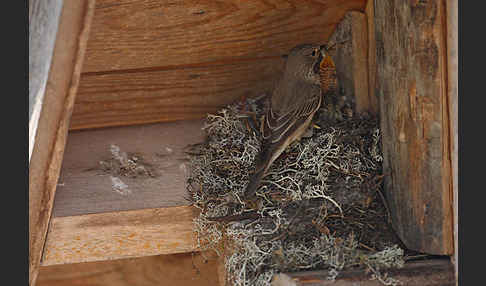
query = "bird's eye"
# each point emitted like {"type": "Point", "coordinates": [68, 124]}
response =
{"type": "Point", "coordinates": [314, 53]}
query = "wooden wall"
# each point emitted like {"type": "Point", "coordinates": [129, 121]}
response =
{"type": "Point", "coordinates": [57, 105]}
{"type": "Point", "coordinates": [411, 83]}
{"type": "Point", "coordinates": [152, 61]}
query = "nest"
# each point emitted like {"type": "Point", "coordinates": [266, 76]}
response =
{"type": "Point", "coordinates": [320, 206]}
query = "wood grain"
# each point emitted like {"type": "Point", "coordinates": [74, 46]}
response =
{"type": "Point", "coordinates": [349, 47]}
{"type": "Point", "coordinates": [57, 105]}
{"type": "Point", "coordinates": [161, 270]}
{"type": "Point", "coordinates": [151, 61]}
{"type": "Point", "coordinates": [136, 34]}
{"type": "Point", "coordinates": [86, 187]}
{"type": "Point", "coordinates": [115, 235]}
{"type": "Point", "coordinates": [169, 94]}
{"type": "Point", "coordinates": [43, 25]}
{"type": "Point", "coordinates": [359, 27]}
{"type": "Point", "coordinates": [412, 85]}
{"type": "Point", "coordinates": [370, 20]}
{"type": "Point", "coordinates": [427, 273]}
{"type": "Point", "coordinates": [452, 92]}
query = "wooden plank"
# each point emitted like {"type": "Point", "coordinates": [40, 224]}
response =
{"type": "Point", "coordinates": [136, 34]}
{"type": "Point", "coordinates": [370, 19]}
{"type": "Point", "coordinates": [43, 24]}
{"type": "Point", "coordinates": [124, 234]}
{"type": "Point", "coordinates": [93, 180]}
{"type": "Point", "coordinates": [349, 48]}
{"type": "Point", "coordinates": [426, 273]}
{"type": "Point", "coordinates": [151, 61]}
{"type": "Point", "coordinates": [412, 85]}
{"type": "Point", "coordinates": [174, 270]}
{"type": "Point", "coordinates": [452, 93]}
{"type": "Point", "coordinates": [53, 124]}
{"type": "Point", "coordinates": [169, 94]}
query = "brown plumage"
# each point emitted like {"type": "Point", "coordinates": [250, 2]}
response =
{"type": "Point", "coordinates": [294, 100]}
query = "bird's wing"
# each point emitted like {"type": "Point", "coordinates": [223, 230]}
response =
{"type": "Point", "coordinates": [281, 123]}
{"type": "Point", "coordinates": [278, 126]}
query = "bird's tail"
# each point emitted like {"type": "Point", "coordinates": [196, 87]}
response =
{"type": "Point", "coordinates": [254, 183]}
{"type": "Point", "coordinates": [267, 156]}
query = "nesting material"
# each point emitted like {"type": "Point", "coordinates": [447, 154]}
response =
{"type": "Point", "coordinates": [319, 207]}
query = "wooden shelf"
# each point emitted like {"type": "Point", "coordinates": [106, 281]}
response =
{"type": "Point", "coordinates": [95, 219]}
{"type": "Point", "coordinates": [116, 235]}
{"type": "Point", "coordinates": [85, 188]}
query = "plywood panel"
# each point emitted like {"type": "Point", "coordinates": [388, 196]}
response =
{"type": "Point", "coordinates": [52, 129]}
{"type": "Point", "coordinates": [152, 175]}
{"type": "Point", "coordinates": [136, 34]}
{"type": "Point", "coordinates": [412, 86]}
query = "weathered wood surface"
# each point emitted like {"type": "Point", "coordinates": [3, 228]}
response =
{"type": "Point", "coordinates": [157, 178]}
{"type": "Point", "coordinates": [349, 48]}
{"type": "Point", "coordinates": [370, 19]}
{"type": "Point", "coordinates": [426, 273]}
{"type": "Point", "coordinates": [57, 105]}
{"type": "Point", "coordinates": [452, 90]}
{"type": "Point", "coordinates": [152, 61]}
{"type": "Point", "coordinates": [415, 121]}
{"type": "Point", "coordinates": [43, 24]}
{"type": "Point", "coordinates": [171, 270]}
{"type": "Point", "coordinates": [125, 234]}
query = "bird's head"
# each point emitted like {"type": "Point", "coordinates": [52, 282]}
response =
{"type": "Point", "coordinates": [303, 62]}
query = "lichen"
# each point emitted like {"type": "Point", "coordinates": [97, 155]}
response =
{"type": "Point", "coordinates": [319, 206]}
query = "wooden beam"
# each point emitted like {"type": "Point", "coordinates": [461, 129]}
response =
{"type": "Point", "coordinates": [414, 110]}
{"type": "Point", "coordinates": [452, 93]}
{"type": "Point", "coordinates": [164, 61]}
{"type": "Point", "coordinates": [43, 24]}
{"type": "Point", "coordinates": [370, 19]}
{"type": "Point", "coordinates": [116, 235]}
{"type": "Point", "coordinates": [175, 269]}
{"type": "Point", "coordinates": [349, 49]}
{"type": "Point", "coordinates": [426, 273]}
{"type": "Point", "coordinates": [61, 87]}
{"type": "Point", "coordinates": [126, 168]}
